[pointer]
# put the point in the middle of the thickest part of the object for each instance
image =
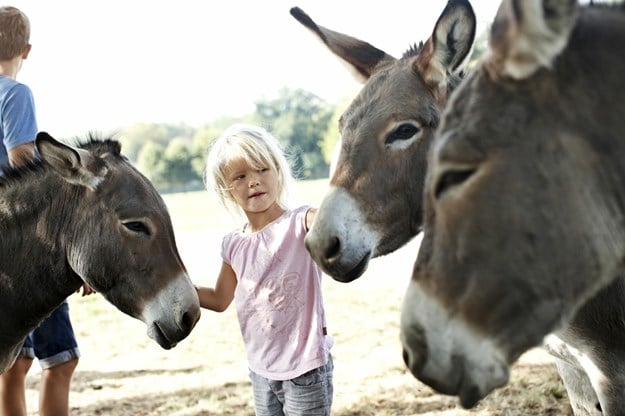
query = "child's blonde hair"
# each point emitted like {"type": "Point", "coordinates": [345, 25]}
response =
{"type": "Point", "coordinates": [14, 32]}
{"type": "Point", "coordinates": [258, 148]}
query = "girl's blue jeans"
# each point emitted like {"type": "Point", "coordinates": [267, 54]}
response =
{"type": "Point", "coordinates": [307, 395]}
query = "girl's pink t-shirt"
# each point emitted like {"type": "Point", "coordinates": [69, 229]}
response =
{"type": "Point", "coordinates": [278, 298]}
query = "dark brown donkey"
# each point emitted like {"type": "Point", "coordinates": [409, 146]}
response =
{"type": "Point", "coordinates": [525, 207]}
{"type": "Point", "coordinates": [84, 214]}
{"type": "Point", "coordinates": [374, 205]}
{"type": "Point", "coordinates": [345, 233]}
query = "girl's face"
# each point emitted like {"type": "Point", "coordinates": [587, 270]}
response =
{"type": "Point", "coordinates": [254, 189]}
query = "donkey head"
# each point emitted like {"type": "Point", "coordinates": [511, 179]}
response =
{"type": "Point", "coordinates": [118, 237]}
{"type": "Point", "coordinates": [524, 208]}
{"type": "Point", "coordinates": [374, 203]}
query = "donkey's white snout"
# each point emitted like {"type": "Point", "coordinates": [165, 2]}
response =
{"type": "Point", "coordinates": [340, 240]}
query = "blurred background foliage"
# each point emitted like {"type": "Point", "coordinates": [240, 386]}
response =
{"type": "Point", "coordinates": [174, 156]}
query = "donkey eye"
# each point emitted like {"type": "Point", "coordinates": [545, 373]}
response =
{"type": "Point", "coordinates": [403, 132]}
{"type": "Point", "coordinates": [451, 178]}
{"type": "Point", "coordinates": [137, 227]}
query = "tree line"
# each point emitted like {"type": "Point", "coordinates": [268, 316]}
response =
{"type": "Point", "coordinates": [174, 156]}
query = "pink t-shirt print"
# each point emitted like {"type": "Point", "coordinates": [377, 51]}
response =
{"type": "Point", "coordinates": [281, 298]}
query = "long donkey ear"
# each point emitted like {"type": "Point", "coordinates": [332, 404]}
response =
{"type": "Point", "coordinates": [76, 166]}
{"type": "Point", "coordinates": [360, 56]}
{"type": "Point", "coordinates": [450, 43]}
{"type": "Point", "coordinates": [529, 34]}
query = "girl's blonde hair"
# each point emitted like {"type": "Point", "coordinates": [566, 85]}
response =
{"type": "Point", "coordinates": [14, 32]}
{"type": "Point", "coordinates": [258, 148]}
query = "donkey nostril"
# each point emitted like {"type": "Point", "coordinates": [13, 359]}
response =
{"type": "Point", "coordinates": [406, 358]}
{"type": "Point", "coordinates": [187, 322]}
{"type": "Point", "coordinates": [333, 248]}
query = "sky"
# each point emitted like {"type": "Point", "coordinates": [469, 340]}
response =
{"type": "Point", "coordinates": [103, 65]}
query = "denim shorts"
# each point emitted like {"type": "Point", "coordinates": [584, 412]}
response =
{"type": "Point", "coordinates": [53, 341]}
{"type": "Point", "coordinates": [307, 395]}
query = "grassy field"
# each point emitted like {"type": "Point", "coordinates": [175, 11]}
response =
{"type": "Point", "coordinates": [122, 372]}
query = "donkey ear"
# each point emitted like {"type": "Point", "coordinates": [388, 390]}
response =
{"type": "Point", "coordinates": [450, 43]}
{"type": "Point", "coordinates": [529, 34]}
{"type": "Point", "coordinates": [76, 166]}
{"type": "Point", "coordinates": [362, 58]}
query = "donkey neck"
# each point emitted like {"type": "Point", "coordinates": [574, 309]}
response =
{"type": "Point", "coordinates": [35, 212]}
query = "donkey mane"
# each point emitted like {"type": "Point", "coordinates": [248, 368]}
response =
{"type": "Point", "coordinates": [416, 48]}
{"type": "Point", "coordinates": [99, 145]}
{"type": "Point", "coordinates": [94, 142]}
{"type": "Point", "coordinates": [13, 175]}
{"type": "Point", "coordinates": [413, 50]}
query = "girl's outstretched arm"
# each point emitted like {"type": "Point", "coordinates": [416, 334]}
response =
{"type": "Point", "coordinates": [220, 297]}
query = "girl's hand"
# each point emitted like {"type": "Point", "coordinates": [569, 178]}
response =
{"type": "Point", "coordinates": [310, 217]}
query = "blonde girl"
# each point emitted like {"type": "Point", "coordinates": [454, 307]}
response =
{"type": "Point", "coordinates": [271, 277]}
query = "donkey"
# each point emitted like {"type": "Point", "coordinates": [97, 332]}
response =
{"type": "Point", "coordinates": [85, 214]}
{"type": "Point", "coordinates": [353, 223]}
{"type": "Point", "coordinates": [335, 236]}
{"type": "Point", "coordinates": [524, 209]}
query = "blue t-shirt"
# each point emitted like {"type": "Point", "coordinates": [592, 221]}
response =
{"type": "Point", "coordinates": [17, 117]}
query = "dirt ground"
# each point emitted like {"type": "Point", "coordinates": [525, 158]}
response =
{"type": "Point", "coordinates": [122, 372]}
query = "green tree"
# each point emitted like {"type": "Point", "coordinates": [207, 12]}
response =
{"type": "Point", "coordinates": [332, 133]}
{"type": "Point", "coordinates": [299, 119]}
{"type": "Point", "coordinates": [134, 137]}
{"type": "Point", "coordinates": [202, 140]}
{"type": "Point", "coordinates": [178, 169]}
{"type": "Point", "coordinates": [205, 135]}
{"type": "Point", "coordinates": [151, 163]}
